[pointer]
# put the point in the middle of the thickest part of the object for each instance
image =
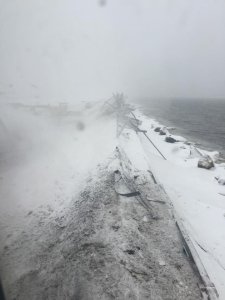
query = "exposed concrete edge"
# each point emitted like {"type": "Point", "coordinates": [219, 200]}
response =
{"type": "Point", "coordinates": [209, 288]}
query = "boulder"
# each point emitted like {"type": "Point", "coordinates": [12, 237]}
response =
{"type": "Point", "coordinates": [157, 129]}
{"type": "Point", "coordinates": [169, 139]}
{"type": "Point", "coordinates": [205, 162]}
{"type": "Point", "coordinates": [163, 131]}
{"type": "Point", "coordinates": [221, 181]}
{"type": "Point", "coordinates": [218, 158]}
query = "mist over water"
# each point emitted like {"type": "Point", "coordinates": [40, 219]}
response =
{"type": "Point", "coordinates": [202, 121]}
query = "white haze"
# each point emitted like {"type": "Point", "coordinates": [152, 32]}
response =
{"type": "Point", "coordinates": [69, 50]}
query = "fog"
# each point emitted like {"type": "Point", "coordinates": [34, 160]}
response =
{"type": "Point", "coordinates": [72, 149]}
{"type": "Point", "coordinates": [72, 50]}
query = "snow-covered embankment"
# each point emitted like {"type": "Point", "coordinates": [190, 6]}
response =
{"type": "Point", "coordinates": [197, 196]}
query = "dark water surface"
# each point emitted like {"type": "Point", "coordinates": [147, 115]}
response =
{"type": "Point", "coordinates": [201, 121]}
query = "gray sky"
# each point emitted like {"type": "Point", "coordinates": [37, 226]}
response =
{"type": "Point", "coordinates": [68, 50]}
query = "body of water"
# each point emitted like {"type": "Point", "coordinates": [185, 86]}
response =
{"type": "Point", "coordinates": [200, 121]}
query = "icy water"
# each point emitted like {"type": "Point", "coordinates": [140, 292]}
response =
{"type": "Point", "coordinates": [201, 121]}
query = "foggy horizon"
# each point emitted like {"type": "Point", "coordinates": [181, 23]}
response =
{"type": "Point", "coordinates": [70, 51]}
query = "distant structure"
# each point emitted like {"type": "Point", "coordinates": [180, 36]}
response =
{"type": "Point", "coordinates": [117, 105]}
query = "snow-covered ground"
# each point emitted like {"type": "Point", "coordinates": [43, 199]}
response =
{"type": "Point", "coordinates": [197, 196]}
{"type": "Point", "coordinates": [49, 162]}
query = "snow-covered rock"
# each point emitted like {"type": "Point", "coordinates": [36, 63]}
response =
{"type": "Point", "coordinates": [205, 162]}
{"type": "Point", "coordinates": [163, 131]}
{"type": "Point", "coordinates": [217, 157]}
{"type": "Point", "coordinates": [220, 180]}
{"type": "Point", "coordinates": [157, 129]}
{"type": "Point", "coordinates": [170, 139]}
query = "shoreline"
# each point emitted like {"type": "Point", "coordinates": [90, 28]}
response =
{"type": "Point", "coordinates": [173, 130]}
{"type": "Point", "coordinates": [157, 111]}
